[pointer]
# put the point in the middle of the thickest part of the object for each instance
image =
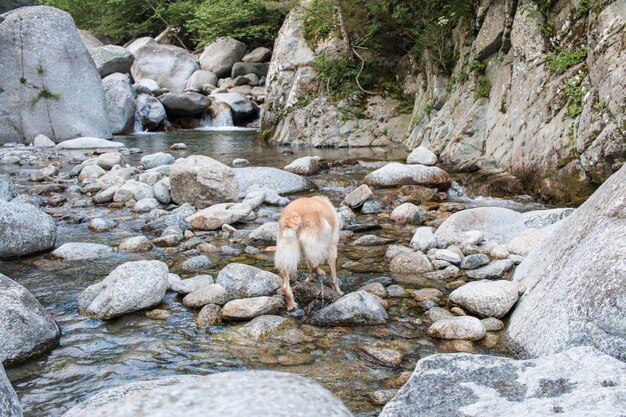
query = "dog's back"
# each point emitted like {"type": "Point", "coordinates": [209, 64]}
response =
{"type": "Point", "coordinates": [308, 226]}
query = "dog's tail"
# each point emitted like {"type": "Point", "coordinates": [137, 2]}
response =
{"type": "Point", "coordinates": [287, 255]}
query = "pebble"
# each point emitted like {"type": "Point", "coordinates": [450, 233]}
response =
{"type": "Point", "coordinates": [179, 147]}
{"type": "Point", "coordinates": [100, 225]}
{"type": "Point", "coordinates": [158, 314]}
{"type": "Point", "coordinates": [136, 244]}
{"type": "Point", "coordinates": [396, 291]}
{"type": "Point", "coordinates": [457, 311]}
{"type": "Point", "coordinates": [474, 261]}
{"type": "Point", "coordinates": [388, 357]}
{"type": "Point", "coordinates": [196, 264]}
{"type": "Point", "coordinates": [382, 396]}
{"type": "Point", "coordinates": [492, 324]}
{"type": "Point", "coordinates": [210, 315]}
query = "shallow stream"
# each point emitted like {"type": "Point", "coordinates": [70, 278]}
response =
{"type": "Point", "coordinates": [94, 355]}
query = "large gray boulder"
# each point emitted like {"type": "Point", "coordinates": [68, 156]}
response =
{"type": "Point", "coordinates": [9, 403]}
{"type": "Point", "coordinates": [241, 107]}
{"type": "Point", "coordinates": [497, 224]}
{"type": "Point", "coordinates": [150, 111]}
{"type": "Point", "coordinates": [88, 142]}
{"type": "Point", "coordinates": [202, 181]}
{"type": "Point", "coordinates": [168, 65]}
{"type": "Point", "coordinates": [395, 174]}
{"type": "Point", "coordinates": [486, 298]}
{"type": "Point", "coordinates": [575, 281]}
{"type": "Point", "coordinates": [356, 308]}
{"type": "Point", "coordinates": [26, 328]}
{"type": "Point", "coordinates": [233, 394]}
{"type": "Point", "coordinates": [243, 281]}
{"type": "Point", "coordinates": [245, 68]}
{"type": "Point", "coordinates": [7, 188]}
{"type": "Point", "coordinates": [201, 78]}
{"type": "Point", "coordinates": [220, 55]}
{"type": "Point", "coordinates": [282, 182]}
{"type": "Point", "coordinates": [110, 59]}
{"type": "Point", "coordinates": [579, 382]}
{"type": "Point", "coordinates": [24, 230]}
{"type": "Point", "coordinates": [50, 84]}
{"type": "Point", "coordinates": [132, 286]}
{"type": "Point", "coordinates": [120, 101]}
{"type": "Point", "coordinates": [184, 104]}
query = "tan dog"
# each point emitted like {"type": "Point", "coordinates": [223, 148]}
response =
{"type": "Point", "coordinates": [309, 227]}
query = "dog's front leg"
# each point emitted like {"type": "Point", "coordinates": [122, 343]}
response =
{"type": "Point", "coordinates": [291, 304]}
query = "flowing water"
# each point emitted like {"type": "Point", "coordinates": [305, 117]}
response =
{"type": "Point", "coordinates": [94, 355]}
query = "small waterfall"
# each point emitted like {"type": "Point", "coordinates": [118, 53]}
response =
{"type": "Point", "coordinates": [218, 115]}
{"type": "Point", "coordinates": [138, 127]}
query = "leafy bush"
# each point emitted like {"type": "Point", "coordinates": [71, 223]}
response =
{"type": "Point", "coordinates": [484, 87]}
{"type": "Point", "coordinates": [562, 60]}
{"type": "Point", "coordinates": [575, 95]}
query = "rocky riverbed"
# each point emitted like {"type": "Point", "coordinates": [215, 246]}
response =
{"type": "Point", "coordinates": [409, 277]}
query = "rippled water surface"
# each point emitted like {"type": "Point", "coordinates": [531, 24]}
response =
{"type": "Point", "coordinates": [94, 355]}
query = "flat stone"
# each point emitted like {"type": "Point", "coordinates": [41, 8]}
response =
{"type": "Point", "coordinates": [486, 298]}
{"type": "Point", "coordinates": [88, 143]}
{"type": "Point", "coordinates": [210, 315]}
{"type": "Point", "coordinates": [77, 251]}
{"type": "Point", "coordinates": [207, 294]}
{"type": "Point", "coordinates": [410, 263]}
{"type": "Point", "coordinates": [233, 394]}
{"type": "Point", "coordinates": [423, 239]}
{"type": "Point", "coordinates": [495, 269]}
{"type": "Point", "coordinates": [458, 328]}
{"type": "Point", "coordinates": [395, 174]}
{"type": "Point", "coordinates": [578, 382]}
{"type": "Point", "coordinates": [388, 357]}
{"type": "Point", "coordinates": [356, 308]}
{"type": "Point", "coordinates": [262, 326]}
{"type": "Point", "coordinates": [248, 308]}
{"type": "Point", "coordinates": [474, 261]}
{"type": "Point", "coordinates": [189, 285]}
{"type": "Point", "coordinates": [136, 244]}
{"type": "Point", "coordinates": [242, 281]}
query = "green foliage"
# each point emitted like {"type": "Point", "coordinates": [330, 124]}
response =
{"type": "Point", "coordinates": [483, 88]}
{"type": "Point", "coordinates": [337, 77]}
{"type": "Point", "coordinates": [575, 95]}
{"type": "Point", "coordinates": [199, 21]}
{"type": "Point", "coordinates": [44, 93]}
{"type": "Point", "coordinates": [249, 21]}
{"type": "Point", "coordinates": [584, 6]}
{"type": "Point", "coordinates": [40, 70]}
{"type": "Point", "coordinates": [319, 21]}
{"type": "Point", "coordinates": [562, 59]}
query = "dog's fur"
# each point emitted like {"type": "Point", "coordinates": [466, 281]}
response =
{"type": "Point", "coordinates": [308, 226]}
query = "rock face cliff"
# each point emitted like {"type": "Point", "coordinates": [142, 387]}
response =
{"type": "Point", "coordinates": [294, 114]}
{"type": "Point", "coordinates": [536, 91]}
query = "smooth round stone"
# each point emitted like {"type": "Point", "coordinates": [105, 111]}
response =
{"type": "Point", "coordinates": [196, 264]}
{"type": "Point", "coordinates": [210, 315]}
{"type": "Point", "coordinates": [100, 225]}
{"type": "Point", "coordinates": [136, 244]}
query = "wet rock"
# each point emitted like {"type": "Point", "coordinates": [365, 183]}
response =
{"type": "Point", "coordinates": [26, 329]}
{"type": "Point", "coordinates": [7, 188]}
{"type": "Point", "coordinates": [371, 240]}
{"type": "Point", "coordinates": [396, 291]}
{"type": "Point", "coordinates": [357, 197]}
{"type": "Point", "coordinates": [422, 155]}
{"type": "Point", "coordinates": [571, 382]}
{"type": "Point", "coordinates": [150, 111]}
{"type": "Point", "coordinates": [492, 324]}
{"type": "Point", "coordinates": [9, 402]}
{"type": "Point", "coordinates": [236, 394]}
{"type": "Point", "coordinates": [110, 59]}
{"type": "Point", "coordinates": [495, 269]}
{"type": "Point", "coordinates": [242, 281]}
{"type": "Point", "coordinates": [196, 264]}
{"type": "Point", "coordinates": [146, 205]}
{"type": "Point", "coordinates": [435, 314]}
{"type": "Point", "coordinates": [136, 244]}
{"type": "Point", "coordinates": [184, 104]}
{"type": "Point", "coordinates": [156, 160]}
{"type": "Point", "coordinates": [265, 234]}
{"type": "Point", "coordinates": [262, 326]}
{"type": "Point", "coordinates": [133, 190]}
{"type": "Point", "coordinates": [424, 294]}
{"type": "Point", "coordinates": [474, 261]}
{"type": "Point", "coordinates": [486, 298]}
{"type": "Point", "coordinates": [458, 328]}
{"type": "Point", "coordinates": [242, 108]}
{"type": "Point", "coordinates": [282, 182]}
{"type": "Point", "coordinates": [158, 314]}
{"type": "Point", "coordinates": [388, 357]}
{"type": "Point", "coordinates": [24, 230]}
{"type": "Point", "coordinates": [356, 308]}
{"type": "Point", "coordinates": [243, 68]}
{"type": "Point", "coordinates": [108, 160]}
{"type": "Point", "coordinates": [78, 251]}
{"type": "Point", "coordinates": [375, 288]}
{"type": "Point", "coordinates": [100, 225]}
{"type": "Point", "coordinates": [371, 206]}
{"type": "Point", "coordinates": [423, 239]}
{"type": "Point", "coordinates": [132, 286]}
{"type": "Point", "coordinates": [120, 103]}
{"type": "Point", "coordinates": [490, 340]}
{"type": "Point", "coordinates": [220, 55]}
{"type": "Point", "coordinates": [214, 217]}
{"type": "Point", "coordinates": [248, 308]}
{"type": "Point", "coordinates": [210, 315]}
{"type": "Point", "coordinates": [168, 65]}
{"type": "Point", "coordinates": [410, 263]}
{"type": "Point", "coordinates": [90, 171]}
{"type": "Point", "coordinates": [538, 219]}
{"type": "Point", "coordinates": [179, 147]}
{"type": "Point", "coordinates": [199, 79]}
{"type": "Point", "coordinates": [87, 142]}
{"type": "Point", "coordinates": [206, 294]}
{"type": "Point", "coordinates": [307, 165]}
{"type": "Point", "coordinates": [395, 174]}
{"type": "Point", "coordinates": [497, 224]}
{"type": "Point", "coordinates": [162, 191]}
{"type": "Point", "coordinates": [448, 256]}
{"type": "Point", "coordinates": [202, 181]}
{"type": "Point", "coordinates": [575, 281]}
{"type": "Point", "coordinates": [394, 250]}
{"type": "Point", "coordinates": [187, 286]}
{"type": "Point", "coordinates": [306, 292]}
{"type": "Point", "coordinates": [408, 213]}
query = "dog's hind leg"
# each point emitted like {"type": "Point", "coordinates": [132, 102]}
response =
{"type": "Point", "coordinates": [310, 277]}
{"type": "Point", "coordinates": [291, 304]}
{"type": "Point", "coordinates": [332, 263]}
